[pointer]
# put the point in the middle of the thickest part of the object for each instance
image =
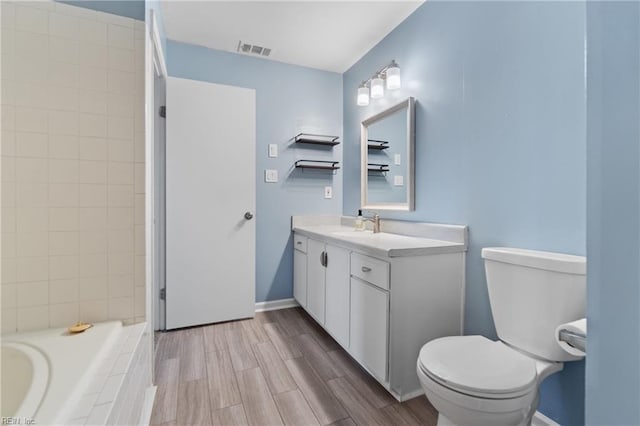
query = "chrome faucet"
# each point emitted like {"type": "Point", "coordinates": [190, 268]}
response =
{"type": "Point", "coordinates": [376, 222]}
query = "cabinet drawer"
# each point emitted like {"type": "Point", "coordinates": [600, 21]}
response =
{"type": "Point", "coordinates": [300, 243]}
{"type": "Point", "coordinates": [371, 270]}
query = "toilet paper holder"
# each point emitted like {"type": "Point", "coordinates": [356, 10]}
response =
{"type": "Point", "coordinates": [577, 340]}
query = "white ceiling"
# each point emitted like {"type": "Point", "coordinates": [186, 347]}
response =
{"type": "Point", "coordinates": [328, 35]}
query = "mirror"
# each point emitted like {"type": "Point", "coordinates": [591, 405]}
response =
{"type": "Point", "coordinates": [387, 158]}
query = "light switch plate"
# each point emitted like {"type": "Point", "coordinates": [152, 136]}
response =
{"type": "Point", "coordinates": [273, 150]}
{"type": "Point", "coordinates": [328, 192]}
{"type": "Point", "coordinates": [270, 176]}
{"type": "Point", "coordinates": [398, 180]}
{"type": "Point", "coordinates": [397, 160]}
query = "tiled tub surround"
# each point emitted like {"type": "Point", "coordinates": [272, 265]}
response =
{"type": "Point", "coordinates": [72, 166]}
{"type": "Point", "coordinates": [96, 377]}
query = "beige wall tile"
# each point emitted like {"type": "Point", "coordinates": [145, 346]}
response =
{"type": "Point", "coordinates": [121, 173]}
{"type": "Point", "coordinates": [121, 196]}
{"type": "Point", "coordinates": [121, 308]}
{"type": "Point", "coordinates": [120, 105]}
{"type": "Point", "coordinates": [9, 245]}
{"type": "Point", "coordinates": [31, 44]}
{"type": "Point", "coordinates": [121, 264]}
{"type": "Point", "coordinates": [8, 169]}
{"type": "Point", "coordinates": [139, 302]}
{"type": "Point", "coordinates": [121, 286]}
{"type": "Point", "coordinates": [63, 171]}
{"type": "Point", "coordinates": [32, 145]}
{"type": "Point", "coordinates": [31, 119]}
{"type": "Point", "coordinates": [121, 37]}
{"type": "Point", "coordinates": [64, 50]}
{"type": "Point", "coordinates": [120, 241]}
{"type": "Point", "coordinates": [139, 178]}
{"type": "Point", "coordinates": [32, 170]}
{"type": "Point", "coordinates": [119, 82]}
{"type": "Point", "coordinates": [93, 125]}
{"type": "Point", "coordinates": [31, 19]}
{"type": "Point", "coordinates": [32, 219]}
{"type": "Point", "coordinates": [63, 267]}
{"type": "Point", "coordinates": [9, 321]}
{"type": "Point", "coordinates": [32, 244]}
{"type": "Point", "coordinates": [93, 55]}
{"type": "Point", "coordinates": [93, 288]}
{"type": "Point", "coordinates": [94, 149]}
{"type": "Point", "coordinates": [33, 294]}
{"type": "Point", "coordinates": [63, 314]}
{"type": "Point", "coordinates": [93, 311]}
{"type": "Point", "coordinates": [63, 219]}
{"type": "Point", "coordinates": [8, 143]}
{"type": "Point", "coordinates": [93, 265]}
{"type": "Point", "coordinates": [93, 32]}
{"type": "Point", "coordinates": [9, 219]}
{"type": "Point", "coordinates": [93, 242]}
{"type": "Point", "coordinates": [9, 271]}
{"type": "Point", "coordinates": [92, 78]}
{"type": "Point", "coordinates": [63, 291]}
{"type": "Point", "coordinates": [64, 25]}
{"type": "Point", "coordinates": [121, 151]}
{"type": "Point", "coordinates": [64, 243]}
{"type": "Point", "coordinates": [93, 195]}
{"type": "Point", "coordinates": [29, 269]}
{"type": "Point", "coordinates": [29, 94]}
{"type": "Point", "coordinates": [31, 194]}
{"type": "Point", "coordinates": [93, 218]}
{"type": "Point", "coordinates": [63, 123]}
{"type": "Point", "coordinates": [120, 218]}
{"type": "Point", "coordinates": [93, 101]}
{"type": "Point", "coordinates": [63, 195]}
{"type": "Point", "coordinates": [9, 296]}
{"type": "Point", "coordinates": [33, 318]}
{"type": "Point", "coordinates": [93, 172]}
{"type": "Point", "coordinates": [64, 147]}
{"type": "Point", "coordinates": [63, 74]}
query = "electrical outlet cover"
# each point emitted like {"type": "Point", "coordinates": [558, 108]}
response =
{"type": "Point", "coordinates": [273, 150]}
{"type": "Point", "coordinates": [328, 192]}
{"type": "Point", "coordinates": [398, 180]}
{"type": "Point", "coordinates": [270, 176]}
{"type": "Point", "coordinates": [397, 159]}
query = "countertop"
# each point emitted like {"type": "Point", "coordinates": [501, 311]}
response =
{"type": "Point", "coordinates": [381, 244]}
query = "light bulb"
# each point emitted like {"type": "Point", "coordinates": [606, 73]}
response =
{"type": "Point", "coordinates": [377, 87]}
{"type": "Point", "coordinates": [393, 76]}
{"type": "Point", "coordinates": [363, 96]}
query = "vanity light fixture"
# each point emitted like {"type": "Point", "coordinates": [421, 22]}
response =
{"type": "Point", "coordinates": [374, 87]}
{"type": "Point", "coordinates": [363, 94]}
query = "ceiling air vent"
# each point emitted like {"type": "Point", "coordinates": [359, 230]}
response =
{"type": "Point", "coordinates": [253, 49]}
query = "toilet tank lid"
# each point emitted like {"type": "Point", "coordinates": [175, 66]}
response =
{"type": "Point", "coordinates": [549, 261]}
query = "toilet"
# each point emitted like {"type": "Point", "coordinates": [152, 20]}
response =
{"type": "Point", "coordinates": [472, 380]}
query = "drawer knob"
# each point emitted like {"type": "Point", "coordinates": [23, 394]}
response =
{"type": "Point", "coordinates": [366, 269]}
{"type": "Point", "coordinates": [299, 243]}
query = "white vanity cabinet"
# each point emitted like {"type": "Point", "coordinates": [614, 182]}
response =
{"type": "Point", "coordinates": [328, 288]}
{"type": "Point", "coordinates": [383, 296]}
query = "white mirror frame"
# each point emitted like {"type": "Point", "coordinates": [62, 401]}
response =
{"type": "Point", "coordinates": [409, 205]}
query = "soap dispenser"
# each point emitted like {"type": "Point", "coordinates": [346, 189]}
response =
{"type": "Point", "coordinates": [359, 222]}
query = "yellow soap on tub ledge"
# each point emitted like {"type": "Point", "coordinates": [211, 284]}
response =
{"type": "Point", "coordinates": [79, 327]}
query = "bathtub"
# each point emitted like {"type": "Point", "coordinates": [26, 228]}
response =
{"type": "Point", "coordinates": [54, 377]}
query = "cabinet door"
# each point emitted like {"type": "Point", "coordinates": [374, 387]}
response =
{"type": "Point", "coordinates": [315, 280]}
{"type": "Point", "coordinates": [337, 294]}
{"type": "Point", "coordinates": [300, 277]}
{"type": "Point", "coordinates": [369, 327]}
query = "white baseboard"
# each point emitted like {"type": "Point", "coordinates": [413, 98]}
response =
{"type": "Point", "coordinates": [272, 305]}
{"type": "Point", "coordinates": [540, 419]}
{"type": "Point", "coordinates": [147, 407]}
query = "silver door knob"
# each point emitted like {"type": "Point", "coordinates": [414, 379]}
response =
{"type": "Point", "coordinates": [248, 215]}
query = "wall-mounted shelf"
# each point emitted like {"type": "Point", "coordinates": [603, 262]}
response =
{"type": "Point", "coordinates": [316, 139]}
{"type": "Point", "coordinates": [317, 164]}
{"type": "Point", "coordinates": [377, 144]}
{"type": "Point", "coordinates": [374, 167]}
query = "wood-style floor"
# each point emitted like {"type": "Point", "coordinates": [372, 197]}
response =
{"type": "Point", "coordinates": [278, 368]}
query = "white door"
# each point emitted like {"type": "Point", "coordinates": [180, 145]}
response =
{"type": "Point", "coordinates": [337, 294]}
{"type": "Point", "coordinates": [315, 280]}
{"type": "Point", "coordinates": [210, 203]}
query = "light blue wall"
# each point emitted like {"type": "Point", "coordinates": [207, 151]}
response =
{"type": "Point", "coordinates": [500, 138]}
{"type": "Point", "coordinates": [289, 99]}
{"type": "Point", "coordinates": [129, 8]}
{"type": "Point", "coordinates": [613, 213]}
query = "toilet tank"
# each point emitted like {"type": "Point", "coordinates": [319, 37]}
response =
{"type": "Point", "coordinates": [532, 293]}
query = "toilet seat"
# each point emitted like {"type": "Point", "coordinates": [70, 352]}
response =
{"type": "Point", "coordinates": [477, 366]}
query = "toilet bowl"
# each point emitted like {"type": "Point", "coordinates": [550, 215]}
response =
{"type": "Point", "coordinates": [472, 380]}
